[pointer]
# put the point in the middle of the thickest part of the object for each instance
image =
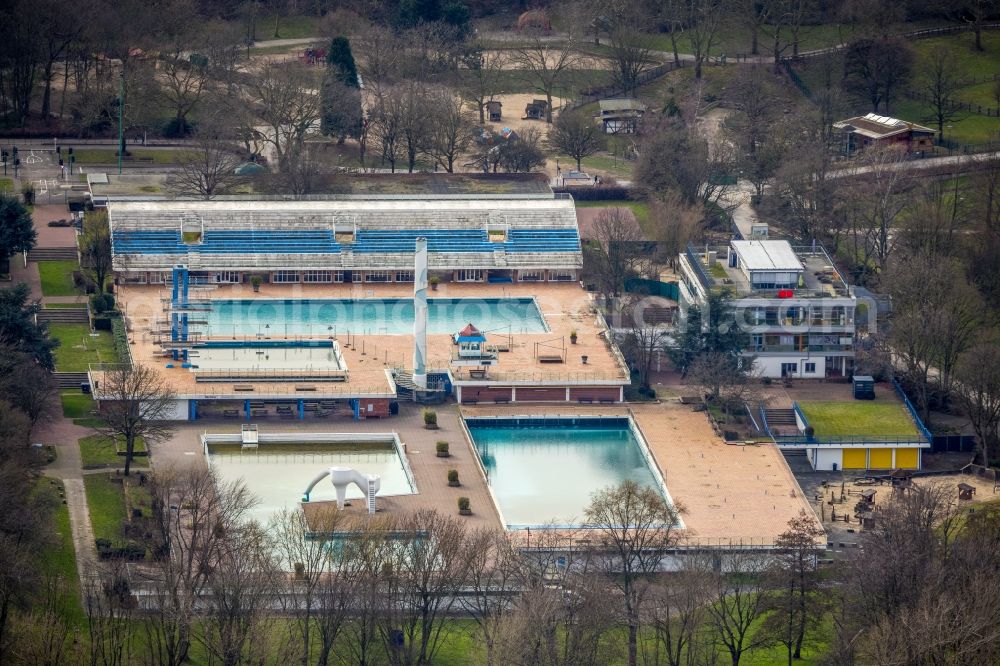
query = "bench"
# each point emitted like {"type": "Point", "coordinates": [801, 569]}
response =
{"type": "Point", "coordinates": [607, 401]}
{"type": "Point", "coordinates": [586, 401]}
{"type": "Point", "coordinates": [550, 358]}
{"type": "Point", "coordinates": [471, 401]}
{"type": "Point", "coordinates": [231, 413]}
{"type": "Point", "coordinates": [258, 412]}
{"type": "Point", "coordinates": [502, 401]}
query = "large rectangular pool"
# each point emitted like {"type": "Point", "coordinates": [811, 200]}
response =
{"type": "Point", "coordinates": [544, 472]}
{"type": "Point", "coordinates": [368, 316]}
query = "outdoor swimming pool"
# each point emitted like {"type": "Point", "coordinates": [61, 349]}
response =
{"type": "Point", "coordinates": [368, 316]}
{"type": "Point", "coordinates": [278, 473]}
{"type": "Point", "coordinates": [544, 471]}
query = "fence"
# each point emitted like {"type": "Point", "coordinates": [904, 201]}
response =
{"type": "Point", "coordinates": [978, 109]}
{"type": "Point", "coordinates": [614, 90]}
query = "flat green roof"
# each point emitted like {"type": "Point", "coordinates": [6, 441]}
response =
{"type": "Point", "coordinates": [858, 417]}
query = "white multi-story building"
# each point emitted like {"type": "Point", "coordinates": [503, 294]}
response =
{"type": "Point", "coordinates": [796, 308]}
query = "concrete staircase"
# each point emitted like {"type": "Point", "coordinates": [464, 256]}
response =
{"type": "Point", "coordinates": [70, 380]}
{"type": "Point", "coordinates": [53, 254]}
{"type": "Point", "coordinates": [780, 417]}
{"type": "Point", "coordinates": [64, 315]}
{"type": "Point", "coordinates": [782, 421]}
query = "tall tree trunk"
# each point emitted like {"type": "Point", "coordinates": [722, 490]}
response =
{"type": "Point", "coordinates": [47, 90]}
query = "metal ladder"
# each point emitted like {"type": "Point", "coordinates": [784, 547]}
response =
{"type": "Point", "coordinates": [371, 495]}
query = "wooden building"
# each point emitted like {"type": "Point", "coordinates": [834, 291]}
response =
{"type": "Point", "coordinates": [862, 132]}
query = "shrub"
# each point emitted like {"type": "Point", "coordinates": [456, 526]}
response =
{"type": "Point", "coordinates": [442, 447]}
{"type": "Point", "coordinates": [430, 417]}
{"type": "Point", "coordinates": [101, 303]}
{"type": "Point", "coordinates": [810, 431]}
{"type": "Point", "coordinates": [452, 477]}
{"type": "Point", "coordinates": [120, 338]}
{"type": "Point", "coordinates": [463, 504]}
{"type": "Point", "coordinates": [177, 128]}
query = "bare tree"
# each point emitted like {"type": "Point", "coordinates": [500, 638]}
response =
{"type": "Point", "coordinates": [192, 511]}
{"type": "Point", "coordinates": [977, 385]}
{"type": "Point", "coordinates": [794, 606]}
{"type": "Point", "coordinates": [319, 593]}
{"type": "Point", "coordinates": [875, 70]}
{"type": "Point", "coordinates": [210, 169]}
{"type": "Point", "coordinates": [185, 77]}
{"type": "Point", "coordinates": [27, 386]}
{"type": "Point", "coordinates": [737, 601]}
{"type": "Point", "coordinates": [243, 580]}
{"type": "Point", "coordinates": [623, 248]}
{"type": "Point", "coordinates": [482, 76]}
{"type": "Point", "coordinates": [426, 568]}
{"type": "Point", "coordinates": [726, 379]}
{"type": "Point", "coordinates": [495, 574]}
{"type": "Point", "coordinates": [933, 323]}
{"type": "Point", "coordinates": [110, 608]}
{"type": "Point", "coordinates": [544, 66]}
{"type": "Point", "coordinates": [95, 248]}
{"type": "Point", "coordinates": [449, 128]}
{"type": "Point", "coordinates": [638, 526]}
{"type": "Point", "coordinates": [630, 48]}
{"type": "Point", "coordinates": [386, 121]}
{"type": "Point", "coordinates": [702, 19]}
{"type": "Point", "coordinates": [575, 133]}
{"type": "Point", "coordinates": [875, 205]}
{"type": "Point", "coordinates": [940, 81]}
{"type": "Point", "coordinates": [136, 402]}
{"type": "Point", "coordinates": [676, 606]}
{"type": "Point", "coordinates": [284, 108]}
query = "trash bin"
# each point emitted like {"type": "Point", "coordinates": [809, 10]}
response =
{"type": "Point", "coordinates": [85, 387]}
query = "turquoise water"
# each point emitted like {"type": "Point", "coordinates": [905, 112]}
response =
{"type": "Point", "coordinates": [545, 472]}
{"type": "Point", "coordinates": [369, 316]}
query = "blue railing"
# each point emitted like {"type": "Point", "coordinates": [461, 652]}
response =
{"type": "Point", "coordinates": [923, 436]}
{"type": "Point", "coordinates": [801, 417]}
{"type": "Point", "coordinates": [913, 412]}
{"type": "Point", "coordinates": [703, 276]}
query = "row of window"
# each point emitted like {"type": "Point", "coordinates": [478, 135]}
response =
{"type": "Point", "coordinates": [322, 277]}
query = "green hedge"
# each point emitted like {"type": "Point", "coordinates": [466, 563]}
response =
{"type": "Point", "coordinates": [120, 336]}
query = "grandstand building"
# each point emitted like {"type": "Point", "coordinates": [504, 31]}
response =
{"type": "Point", "coordinates": [264, 307]}
{"type": "Point", "coordinates": [334, 241]}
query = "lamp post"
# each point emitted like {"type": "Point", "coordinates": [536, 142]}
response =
{"type": "Point", "coordinates": [121, 118]}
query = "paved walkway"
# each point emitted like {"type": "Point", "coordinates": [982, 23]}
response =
{"type": "Point", "coordinates": [63, 434]}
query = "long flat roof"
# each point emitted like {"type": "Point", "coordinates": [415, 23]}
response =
{"type": "Point", "coordinates": [772, 255]}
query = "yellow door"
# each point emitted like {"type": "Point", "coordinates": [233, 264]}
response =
{"type": "Point", "coordinates": [880, 458]}
{"type": "Point", "coordinates": [907, 458]}
{"type": "Point", "coordinates": [855, 458]}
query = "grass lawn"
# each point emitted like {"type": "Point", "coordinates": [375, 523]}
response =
{"type": "Point", "coordinates": [289, 27]}
{"type": "Point", "coordinates": [6, 184]}
{"type": "Point", "coordinates": [82, 305]}
{"type": "Point", "coordinates": [639, 208]}
{"type": "Point", "coordinates": [78, 349]}
{"type": "Point", "coordinates": [106, 501]}
{"type": "Point", "coordinates": [76, 405]}
{"type": "Point", "coordinates": [110, 156]}
{"type": "Point", "coordinates": [57, 277]}
{"type": "Point", "coordinates": [59, 559]}
{"type": "Point", "coordinates": [99, 451]}
{"type": "Point", "coordinates": [615, 166]}
{"type": "Point", "coordinates": [858, 417]}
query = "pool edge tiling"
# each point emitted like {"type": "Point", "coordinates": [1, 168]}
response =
{"type": "Point", "coordinates": [510, 499]}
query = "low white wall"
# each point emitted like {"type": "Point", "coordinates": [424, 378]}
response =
{"type": "Point", "coordinates": [770, 366]}
{"type": "Point", "coordinates": [825, 459]}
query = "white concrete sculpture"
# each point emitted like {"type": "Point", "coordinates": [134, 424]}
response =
{"type": "Point", "coordinates": [341, 477]}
